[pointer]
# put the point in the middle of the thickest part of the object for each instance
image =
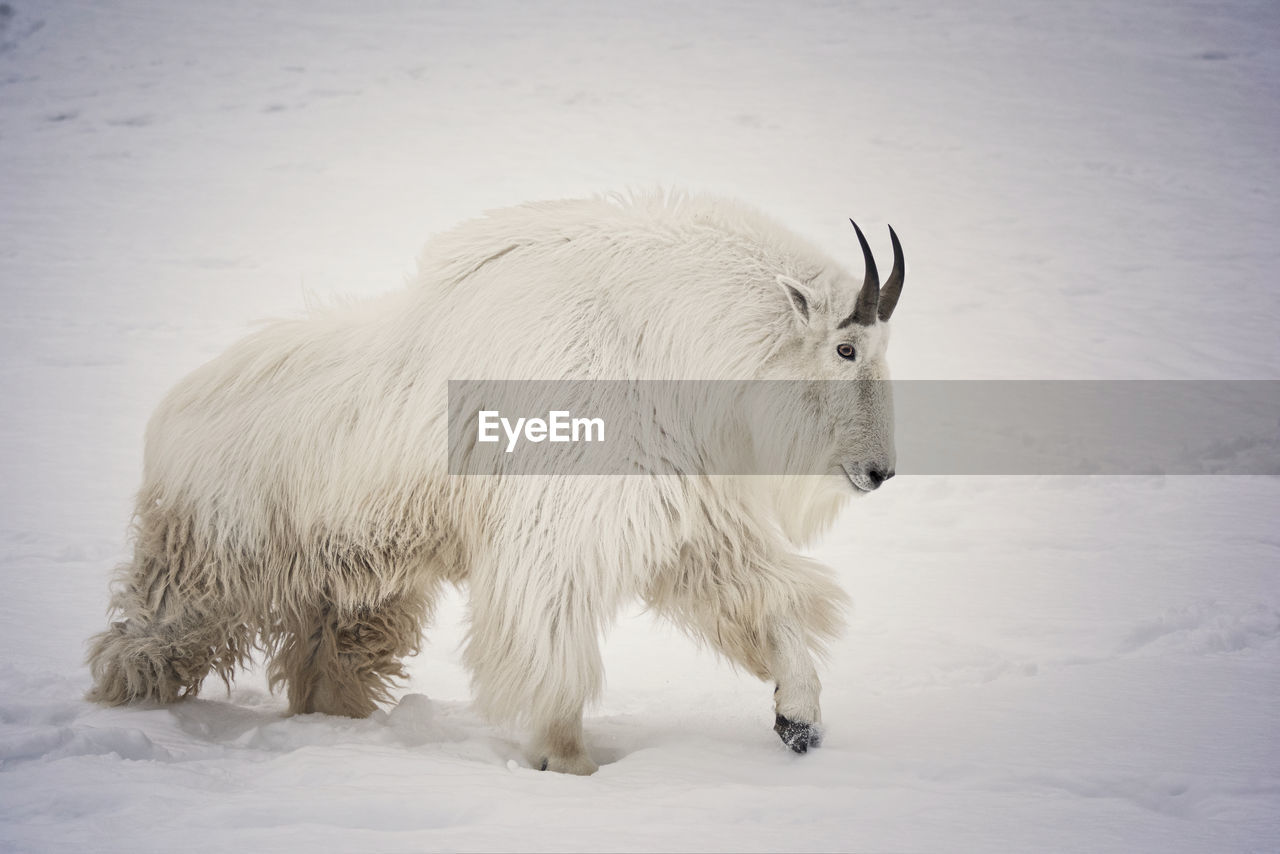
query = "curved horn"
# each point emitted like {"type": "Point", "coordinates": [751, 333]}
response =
{"type": "Point", "coordinates": [893, 287]}
{"type": "Point", "coordinates": [865, 310]}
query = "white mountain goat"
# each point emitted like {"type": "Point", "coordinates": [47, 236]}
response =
{"type": "Point", "coordinates": [296, 497]}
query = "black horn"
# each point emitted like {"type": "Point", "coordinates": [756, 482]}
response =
{"type": "Point", "coordinates": [893, 287]}
{"type": "Point", "coordinates": [864, 312]}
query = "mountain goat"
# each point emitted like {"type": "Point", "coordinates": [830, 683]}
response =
{"type": "Point", "coordinates": [296, 496]}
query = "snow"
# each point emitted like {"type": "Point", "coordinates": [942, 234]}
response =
{"type": "Point", "coordinates": [1084, 190]}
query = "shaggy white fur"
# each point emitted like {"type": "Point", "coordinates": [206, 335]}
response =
{"type": "Point", "coordinates": [295, 494]}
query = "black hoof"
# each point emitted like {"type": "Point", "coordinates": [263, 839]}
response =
{"type": "Point", "coordinates": [797, 735]}
{"type": "Point", "coordinates": [543, 767]}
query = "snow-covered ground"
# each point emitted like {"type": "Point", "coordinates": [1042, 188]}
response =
{"type": "Point", "coordinates": [1084, 189]}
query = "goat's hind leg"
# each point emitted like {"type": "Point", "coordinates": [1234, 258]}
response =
{"type": "Point", "coordinates": [173, 630]}
{"type": "Point", "coordinates": [343, 661]}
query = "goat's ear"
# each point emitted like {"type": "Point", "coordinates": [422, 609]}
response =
{"type": "Point", "coordinates": [798, 296]}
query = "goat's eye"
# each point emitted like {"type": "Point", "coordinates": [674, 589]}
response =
{"type": "Point", "coordinates": [846, 351]}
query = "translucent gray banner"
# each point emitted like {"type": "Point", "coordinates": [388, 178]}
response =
{"type": "Point", "coordinates": [913, 426]}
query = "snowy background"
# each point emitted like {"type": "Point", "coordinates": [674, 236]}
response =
{"type": "Point", "coordinates": [1084, 189]}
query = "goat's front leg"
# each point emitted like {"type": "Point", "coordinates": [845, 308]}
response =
{"type": "Point", "coordinates": [767, 617]}
{"type": "Point", "coordinates": [797, 714]}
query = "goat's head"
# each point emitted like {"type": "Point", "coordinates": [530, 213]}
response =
{"type": "Point", "coordinates": [838, 354]}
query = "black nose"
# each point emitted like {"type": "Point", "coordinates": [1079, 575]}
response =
{"type": "Point", "coordinates": [879, 476]}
